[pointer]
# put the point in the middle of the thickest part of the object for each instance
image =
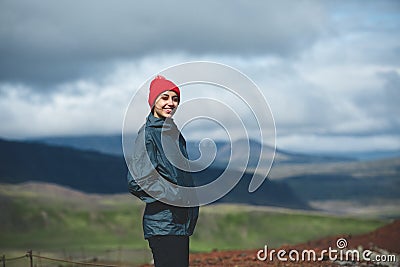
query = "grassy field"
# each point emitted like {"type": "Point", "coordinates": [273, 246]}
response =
{"type": "Point", "coordinates": [60, 221]}
{"type": "Point", "coordinates": [238, 227]}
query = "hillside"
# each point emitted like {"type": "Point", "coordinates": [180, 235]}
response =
{"type": "Point", "coordinates": [87, 171]}
{"type": "Point", "coordinates": [382, 242]}
{"type": "Point", "coordinates": [335, 184]}
{"type": "Point", "coordinates": [107, 144]}
{"type": "Point", "coordinates": [112, 144]}
{"type": "Point", "coordinates": [55, 220]}
{"type": "Point", "coordinates": [94, 172]}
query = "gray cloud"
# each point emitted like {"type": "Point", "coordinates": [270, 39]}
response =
{"type": "Point", "coordinates": [383, 104]}
{"type": "Point", "coordinates": [45, 42]}
{"type": "Point", "coordinates": [329, 69]}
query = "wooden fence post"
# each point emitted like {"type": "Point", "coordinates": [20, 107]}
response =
{"type": "Point", "coordinates": [30, 258]}
{"type": "Point", "coordinates": [3, 259]}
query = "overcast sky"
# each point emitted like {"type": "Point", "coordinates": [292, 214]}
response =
{"type": "Point", "coordinates": [328, 69]}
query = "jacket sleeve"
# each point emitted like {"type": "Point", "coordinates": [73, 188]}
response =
{"type": "Point", "coordinates": [143, 179]}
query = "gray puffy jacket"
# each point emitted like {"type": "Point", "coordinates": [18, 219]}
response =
{"type": "Point", "coordinates": [147, 166]}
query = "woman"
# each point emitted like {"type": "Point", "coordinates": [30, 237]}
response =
{"type": "Point", "coordinates": [166, 227]}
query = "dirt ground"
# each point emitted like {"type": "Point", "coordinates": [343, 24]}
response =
{"type": "Point", "coordinates": [383, 241]}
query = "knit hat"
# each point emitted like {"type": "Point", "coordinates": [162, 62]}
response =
{"type": "Point", "coordinates": [160, 85]}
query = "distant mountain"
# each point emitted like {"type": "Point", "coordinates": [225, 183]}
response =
{"type": "Point", "coordinates": [112, 144]}
{"type": "Point", "coordinates": [280, 156]}
{"type": "Point", "coordinates": [307, 178]}
{"type": "Point", "coordinates": [274, 193]}
{"type": "Point", "coordinates": [370, 155]}
{"type": "Point", "coordinates": [87, 171]}
{"type": "Point", "coordinates": [95, 172]}
{"type": "Point", "coordinates": [368, 190]}
{"type": "Point", "coordinates": [107, 144]}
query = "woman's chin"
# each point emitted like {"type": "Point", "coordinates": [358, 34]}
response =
{"type": "Point", "coordinates": [166, 115]}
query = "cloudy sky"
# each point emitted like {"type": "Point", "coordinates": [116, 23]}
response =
{"type": "Point", "coordinates": [330, 70]}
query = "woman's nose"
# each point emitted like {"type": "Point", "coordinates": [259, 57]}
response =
{"type": "Point", "coordinates": [170, 102]}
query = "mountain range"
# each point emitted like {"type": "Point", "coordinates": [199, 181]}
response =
{"type": "Point", "coordinates": [296, 180]}
{"type": "Point", "coordinates": [111, 144]}
{"type": "Point", "coordinates": [95, 172]}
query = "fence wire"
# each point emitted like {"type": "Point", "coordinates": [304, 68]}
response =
{"type": "Point", "coordinates": [30, 255]}
{"type": "Point", "coordinates": [4, 259]}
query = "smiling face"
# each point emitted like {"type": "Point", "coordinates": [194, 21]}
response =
{"type": "Point", "coordinates": [166, 104]}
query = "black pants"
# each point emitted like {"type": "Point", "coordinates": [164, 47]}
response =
{"type": "Point", "coordinates": [170, 250]}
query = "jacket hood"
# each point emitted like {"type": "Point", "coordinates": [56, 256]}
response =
{"type": "Point", "coordinates": [167, 124]}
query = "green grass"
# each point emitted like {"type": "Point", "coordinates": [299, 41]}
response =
{"type": "Point", "coordinates": [54, 225]}
{"type": "Point", "coordinates": [45, 222]}
{"type": "Point", "coordinates": [253, 229]}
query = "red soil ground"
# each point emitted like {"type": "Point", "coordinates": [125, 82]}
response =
{"type": "Point", "coordinates": [387, 238]}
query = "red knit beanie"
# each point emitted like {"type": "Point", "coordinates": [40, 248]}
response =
{"type": "Point", "coordinates": [160, 85]}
